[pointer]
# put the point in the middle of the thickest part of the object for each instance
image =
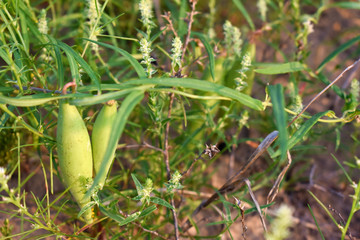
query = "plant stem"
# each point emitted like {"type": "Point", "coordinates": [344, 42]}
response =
{"type": "Point", "coordinates": [356, 198]}
{"type": "Point", "coordinates": [167, 163]}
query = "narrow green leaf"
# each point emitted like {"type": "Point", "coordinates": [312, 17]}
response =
{"type": "Point", "coordinates": [125, 110]}
{"type": "Point", "coordinates": [182, 15]}
{"type": "Point", "coordinates": [156, 35]}
{"type": "Point", "coordinates": [88, 206]}
{"type": "Point", "coordinates": [91, 100]}
{"type": "Point", "coordinates": [137, 198]}
{"type": "Point", "coordinates": [6, 90]}
{"type": "Point", "coordinates": [325, 208]}
{"type": "Point", "coordinates": [316, 223]}
{"type": "Point", "coordinates": [280, 68]}
{"type": "Point", "coordinates": [137, 66]}
{"type": "Point", "coordinates": [147, 211]}
{"type": "Point", "coordinates": [202, 85]}
{"type": "Point", "coordinates": [219, 222]}
{"type": "Point", "coordinates": [31, 24]}
{"type": "Point", "coordinates": [24, 31]}
{"type": "Point", "coordinates": [129, 219]}
{"type": "Point", "coordinates": [34, 100]}
{"type": "Point", "coordinates": [138, 185]}
{"type": "Point", "coordinates": [253, 209]}
{"type": "Point", "coordinates": [343, 169]}
{"type": "Point", "coordinates": [160, 201]}
{"type": "Point", "coordinates": [5, 56]}
{"type": "Point", "coordinates": [337, 51]}
{"type": "Point", "coordinates": [336, 89]}
{"type": "Point", "coordinates": [59, 63]}
{"type": "Point", "coordinates": [75, 73]}
{"type": "Point", "coordinates": [246, 15]}
{"type": "Point", "coordinates": [300, 133]}
{"type": "Point", "coordinates": [5, 117]}
{"type": "Point", "coordinates": [114, 216]}
{"type": "Point", "coordinates": [350, 5]}
{"type": "Point", "coordinates": [277, 98]}
{"type": "Point", "coordinates": [70, 52]}
{"type": "Point", "coordinates": [137, 215]}
{"type": "Point", "coordinates": [209, 51]}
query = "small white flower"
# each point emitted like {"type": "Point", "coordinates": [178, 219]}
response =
{"type": "Point", "coordinates": [281, 224]}
{"type": "Point", "coordinates": [35, 226]}
{"type": "Point", "coordinates": [3, 177]}
{"type": "Point", "coordinates": [145, 7]}
{"type": "Point", "coordinates": [309, 26]}
{"type": "Point", "coordinates": [177, 52]}
{"type": "Point", "coordinates": [92, 11]}
{"type": "Point", "coordinates": [145, 49]}
{"type": "Point", "coordinates": [43, 25]}
{"type": "Point", "coordinates": [354, 89]}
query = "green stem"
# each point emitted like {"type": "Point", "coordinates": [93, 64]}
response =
{"type": "Point", "coordinates": [24, 124]}
{"type": "Point", "coordinates": [354, 208]}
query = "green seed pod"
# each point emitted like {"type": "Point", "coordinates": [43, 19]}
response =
{"type": "Point", "coordinates": [74, 154]}
{"type": "Point", "coordinates": [100, 136]}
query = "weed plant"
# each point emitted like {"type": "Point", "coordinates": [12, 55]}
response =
{"type": "Point", "coordinates": [194, 80]}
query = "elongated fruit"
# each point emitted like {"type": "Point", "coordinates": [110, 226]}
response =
{"type": "Point", "coordinates": [100, 137]}
{"type": "Point", "coordinates": [74, 153]}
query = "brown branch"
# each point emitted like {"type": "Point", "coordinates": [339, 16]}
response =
{"type": "Point", "coordinates": [275, 189]}
{"type": "Point", "coordinates": [166, 144]}
{"type": "Point", "coordinates": [236, 181]}
{"type": "Point", "coordinates": [324, 90]}
{"type": "Point", "coordinates": [211, 151]}
{"type": "Point", "coordinates": [167, 17]}
{"type": "Point", "coordinates": [144, 145]}
{"type": "Point", "coordinates": [167, 163]}
{"type": "Point", "coordinates": [256, 203]}
{"type": "Point", "coordinates": [191, 20]}
{"type": "Point", "coordinates": [144, 229]}
{"type": "Point", "coordinates": [69, 84]}
{"type": "Point", "coordinates": [36, 89]}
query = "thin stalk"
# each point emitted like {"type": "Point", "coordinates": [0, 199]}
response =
{"type": "Point", "coordinates": [24, 124]}
{"type": "Point", "coordinates": [324, 90]}
{"type": "Point", "coordinates": [354, 208]}
{"type": "Point", "coordinates": [167, 163]}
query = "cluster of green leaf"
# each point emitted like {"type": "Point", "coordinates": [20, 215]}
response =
{"type": "Point", "coordinates": [182, 80]}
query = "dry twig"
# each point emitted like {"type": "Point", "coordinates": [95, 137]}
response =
{"type": "Point", "coordinates": [236, 181]}
{"type": "Point", "coordinates": [256, 203]}
{"type": "Point", "coordinates": [190, 22]}
{"type": "Point", "coordinates": [275, 189]}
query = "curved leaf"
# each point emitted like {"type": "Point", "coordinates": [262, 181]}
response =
{"type": "Point", "coordinates": [160, 201]}
{"type": "Point", "coordinates": [137, 66]}
{"type": "Point", "coordinates": [124, 112]}
{"type": "Point", "coordinates": [242, 9]}
{"type": "Point", "coordinates": [277, 98]}
{"type": "Point", "coordinates": [74, 55]}
{"type": "Point", "coordinates": [36, 99]}
{"type": "Point", "coordinates": [337, 51]}
{"type": "Point", "coordinates": [350, 5]}
{"type": "Point", "coordinates": [209, 51]}
{"type": "Point", "coordinates": [91, 100]}
{"type": "Point", "coordinates": [280, 68]}
{"type": "Point", "coordinates": [300, 133]}
{"type": "Point", "coordinates": [202, 86]}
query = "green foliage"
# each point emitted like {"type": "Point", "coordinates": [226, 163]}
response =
{"type": "Point", "coordinates": [186, 83]}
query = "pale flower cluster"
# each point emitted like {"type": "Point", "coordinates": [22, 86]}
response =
{"type": "Point", "coordinates": [43, 25]}
{"type": "Point", "coordinates": [176, 52]}
{"type": "Point", "coordinates": [281, 224]}
{"type": "Point", "coordinates": [145, 7]}
{"type": "Point", "coordinates": [3, 179]}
